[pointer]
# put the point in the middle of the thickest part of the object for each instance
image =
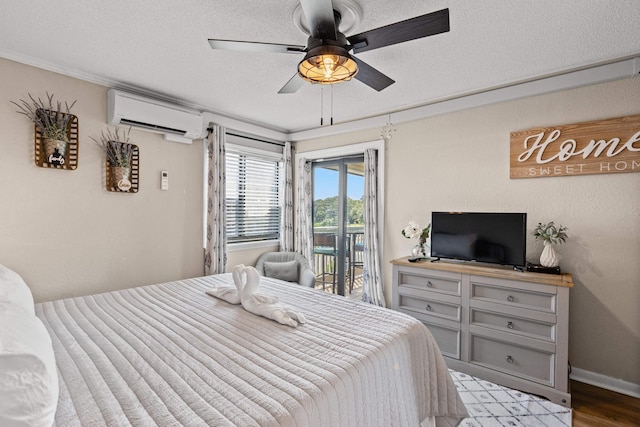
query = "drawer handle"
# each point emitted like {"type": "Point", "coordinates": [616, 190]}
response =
{"type": "Point", "coordinates": [509, 359]}
{"type": "Point", "coordinates": [510, 298]}
{"type": "Point", "coordinates": [510, 325]}
{"type": "Point", "coordinates": [429, 284]}
{"type": "Point", "coordinates": [428, 307]}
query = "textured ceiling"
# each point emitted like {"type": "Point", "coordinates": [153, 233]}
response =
{"type": "Point", "coordinates": [160, 47]}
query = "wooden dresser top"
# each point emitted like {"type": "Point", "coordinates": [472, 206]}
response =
{"type": "Point", "coordinates": [564, 279]}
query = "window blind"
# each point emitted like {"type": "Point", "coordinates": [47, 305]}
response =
{"type": "Point", "coordinates": [252, 197]}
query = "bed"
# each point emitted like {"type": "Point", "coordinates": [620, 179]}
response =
{"type": "Point", "coordinates": [169, 354]}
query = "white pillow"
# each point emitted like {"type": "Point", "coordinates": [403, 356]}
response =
{"type": "Point", "coordinates": [28, 374]}
{"type": "Point", "coordinates": [14, 290]}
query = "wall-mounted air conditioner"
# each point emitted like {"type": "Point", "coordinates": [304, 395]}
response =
{"type": "Point", "coordinates": [177, 123]}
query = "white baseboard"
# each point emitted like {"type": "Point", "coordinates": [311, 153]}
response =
{"type": "Point", "coordinates": [603, 381]}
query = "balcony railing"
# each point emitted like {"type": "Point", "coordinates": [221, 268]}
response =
{"type": "Point", "coordinates": [325, 258]}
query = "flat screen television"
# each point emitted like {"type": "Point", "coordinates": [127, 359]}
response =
{"type": "Point", "coordinates": [488, 237]}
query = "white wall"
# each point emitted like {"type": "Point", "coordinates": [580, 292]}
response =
{"type": "Point", "coordinates": [247, 256]}
{"type": "Point", "coordinates": [460, 162]}
{"type": "Point", "coordinates": [62, 231]}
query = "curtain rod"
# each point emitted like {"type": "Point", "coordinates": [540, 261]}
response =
{"type": "Point", "coordinates": [358, 157]}
{"type": "Point", "coordinates": [278, 143]}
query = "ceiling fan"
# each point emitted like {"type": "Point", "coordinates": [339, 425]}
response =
{"type": "Point", "coordinates": [327, 59]}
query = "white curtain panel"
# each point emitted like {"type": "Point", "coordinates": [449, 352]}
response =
{"type": "Point", "coordinates": [304, 203]}
{"type": "Point", "coordinates": [215, 259]}
{"type": "Point", "coordinates": [372, 283]}
{"type": "Point", "coordinates": [286, 219]}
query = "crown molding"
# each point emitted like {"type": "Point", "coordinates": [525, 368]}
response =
{"type": "Point", "coordinates": [209, 114]}
{"type": "Point", "coordinates": [598, 73]}
{"type": "Point", "coordinates": [628, 67]}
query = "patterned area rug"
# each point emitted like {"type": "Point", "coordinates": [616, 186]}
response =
{"type": "Point", "coordinates": [491, 405]}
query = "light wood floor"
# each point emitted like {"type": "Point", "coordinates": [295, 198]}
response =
{"type": "Point", "coordinates": [597, 407]}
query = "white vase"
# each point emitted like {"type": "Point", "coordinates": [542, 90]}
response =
{"type": "Point", "coordinates": [549, 256]}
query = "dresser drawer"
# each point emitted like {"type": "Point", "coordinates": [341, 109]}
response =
{"type": "Point", "coordinates": [433, 307]}
{"type": "Point", "coordinates": [448, 339]}
{"type": "Point", "coordinates": [448, 284]}
{"type": "Point", "coordinates": [515, 297]}
{"type": "Point", "coordinates": [516, 360]}
{"type": "Point", "coordinates": [513, 324]}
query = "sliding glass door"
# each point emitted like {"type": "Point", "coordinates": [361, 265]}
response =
{"type": "Point", "coordinates": [338, 223]}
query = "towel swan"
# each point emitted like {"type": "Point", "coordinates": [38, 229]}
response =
{"type": "Point", "coordinates": [264, 305]}
{"type": "Point", "coordinates": [228, 293]}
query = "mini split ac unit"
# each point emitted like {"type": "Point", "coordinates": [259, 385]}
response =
{"type": "Point", "coordinates": [177, 123]}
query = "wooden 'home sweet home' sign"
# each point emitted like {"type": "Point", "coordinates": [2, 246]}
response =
{"type": "Point", "coordinates": [601, 146]}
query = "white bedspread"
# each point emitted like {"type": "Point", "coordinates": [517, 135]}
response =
{"type": "Point", "coordinates": [170, 355]}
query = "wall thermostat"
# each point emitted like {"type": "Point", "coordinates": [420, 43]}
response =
{"type": "Point", "coordinates": [164, 180]}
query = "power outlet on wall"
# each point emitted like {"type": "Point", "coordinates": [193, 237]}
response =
{"type": "Point", "coordinates": [164, 180]}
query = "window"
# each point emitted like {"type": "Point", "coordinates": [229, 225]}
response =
{"type": "Point", "coordinates": [252, 194]}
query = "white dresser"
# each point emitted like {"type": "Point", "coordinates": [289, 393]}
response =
{"type": "Point", "coordinates": [505, 326]}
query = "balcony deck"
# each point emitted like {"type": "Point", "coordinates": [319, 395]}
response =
{"type": "Point", "coordinates": [356, 290]}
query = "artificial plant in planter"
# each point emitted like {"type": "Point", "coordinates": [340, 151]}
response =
{"type": "Point", "coordinates": [118, 151]}
{"type": "Point", "coordinates": [53, 121]}
{"type": "Point", "coordinates": [550, 234]}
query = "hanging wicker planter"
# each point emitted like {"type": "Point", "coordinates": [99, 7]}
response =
{"type": "Point", "coordinates": [121, 160]}
{"type": "Point", "coordinates": [54, 150]}
{"type": "Point", "coordinates": [56, 131]}
{"type": "Point", "coordinates": [120, 178]}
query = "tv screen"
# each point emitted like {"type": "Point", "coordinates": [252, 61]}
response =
{"type": "Point", "coordinates": [490, 237]}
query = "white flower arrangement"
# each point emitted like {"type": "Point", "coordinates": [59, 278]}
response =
{"type": "Point", "coordinates": [414, 231]}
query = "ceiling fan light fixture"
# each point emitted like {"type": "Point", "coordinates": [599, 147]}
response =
{"type": "Point", "coordinates": [327, 64]}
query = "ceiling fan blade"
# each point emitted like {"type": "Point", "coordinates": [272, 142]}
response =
{"type": "Point", "coordinates": [410, 29]}
{"type": "Point", "coordinates": [371, 77]}
{"type": "Point", "coordinates": [254, 46]}
{"type": "Point", "coordinates": [319, 15]}
{"type": "Point", "coordinates": [292, 85]}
